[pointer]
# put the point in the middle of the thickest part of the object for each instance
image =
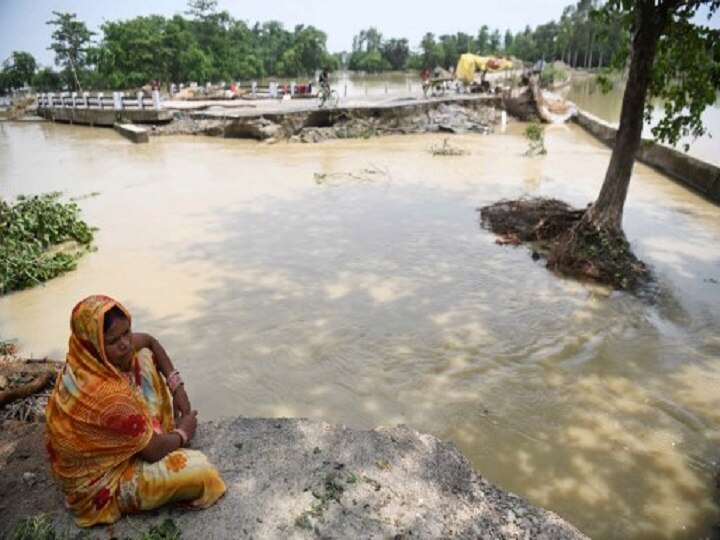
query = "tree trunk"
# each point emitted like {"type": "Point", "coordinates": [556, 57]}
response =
{"type": "Point", "coordinates": [590, 49]}
{"type": "Point", "coordinates": [606, 213]}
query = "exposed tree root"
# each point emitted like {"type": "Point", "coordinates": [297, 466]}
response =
{"type": "Point", "coordinates": [571, 245]}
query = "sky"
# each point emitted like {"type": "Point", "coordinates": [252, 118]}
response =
{"type": "Point", "coordinates": [23, 28]}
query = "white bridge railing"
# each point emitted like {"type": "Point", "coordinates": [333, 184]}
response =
{"type": "Point", "coordinates": [117, 101]}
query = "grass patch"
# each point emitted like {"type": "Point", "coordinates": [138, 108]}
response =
{"type": "Point", "coordinates": [40, 527]}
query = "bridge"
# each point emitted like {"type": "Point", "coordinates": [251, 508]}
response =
{"type": "Point", "coordinates": [103, 110]}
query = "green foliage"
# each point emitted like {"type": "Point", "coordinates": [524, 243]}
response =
{"type": "Point", "coordinates": [553, 74]}
{"type": "Point", "coordinates": [70, 41]}
{"type": "Point", "coordinates": [18, 70]}
{"type": "Point", "coordinates": [32, 232]}
{"type": "Point", "coordinates": [535, 134]}
{"type": "Point", "coordinates": [132, 52]}
{"type": "Point", "coordinates": [368, 52]}
{"type": "Point", "coordinates": [46, 80]}
{"type": "Point", "coordinates": [685, 72]}
{"type": "Point", "coordinates": [330, 490]}
{"type": "Point", "coordinates": [40, 527]}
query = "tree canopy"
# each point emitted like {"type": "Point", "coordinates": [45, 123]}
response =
{"type": "Point", "coordinates": [70, 41]}
{"type": "Point", "coordinates": [18, 70]}
{"type": "Point", "coordinates": [205, 44]}
{"type": "Point", "coordinates": [671, 57]}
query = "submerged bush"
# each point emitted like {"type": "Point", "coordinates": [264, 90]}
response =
{"type": "Point", "coordinates": [40, 238]}
{"type": "Point", "coordinates": [535, 135]}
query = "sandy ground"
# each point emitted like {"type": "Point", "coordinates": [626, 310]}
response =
{"type": "Point", "coordinates": [295, 478]}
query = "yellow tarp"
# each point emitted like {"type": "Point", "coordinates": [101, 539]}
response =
{"type": "Point", "coordinates": [469, 63]}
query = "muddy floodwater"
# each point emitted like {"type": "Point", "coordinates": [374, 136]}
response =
{"type": "Point", "coordinates": [350, 281]}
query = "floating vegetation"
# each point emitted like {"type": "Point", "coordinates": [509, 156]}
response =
{"type": "Point", "coordinates": [40, 238]}
{"type": "Point", "coordinates": [368, 174]}
{"type": "Point", "coordinates": [447, 150]}
{"type": "Point", "coordinates": [86, 196]}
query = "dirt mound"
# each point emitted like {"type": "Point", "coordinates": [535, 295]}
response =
{"type": "Point", "coordinates": [572, 246]}
{"type": "Point", "coordinates": [529, 220]}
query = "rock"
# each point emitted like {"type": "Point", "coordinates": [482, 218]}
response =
{"type": "Point", "coordinates": [296, 478]}
{"type": "Point", "coordinates": [29, 478]}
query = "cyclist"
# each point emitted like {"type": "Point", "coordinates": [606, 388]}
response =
{"type": "Point", "coordinates": [324, 80]}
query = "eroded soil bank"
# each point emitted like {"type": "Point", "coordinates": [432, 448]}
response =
{"type": "Point", "coordinates": [341, 123]}
{"type": "Point", "coordinates": [295, 478]}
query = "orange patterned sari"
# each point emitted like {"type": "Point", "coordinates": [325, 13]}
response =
{"type": "Point", "coordinates": [98, 419]}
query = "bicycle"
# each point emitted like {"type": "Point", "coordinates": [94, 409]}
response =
{"type": "Point", "coordinates": [327, 95]}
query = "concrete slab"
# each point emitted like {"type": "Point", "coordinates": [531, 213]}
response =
{"type": "Point", "coordinates": [135, 133]}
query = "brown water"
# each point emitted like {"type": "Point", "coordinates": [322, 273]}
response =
{"type": "Point", "coordinates": [587, 94]}
{"type": "Point", "coordinates": [373, 297]}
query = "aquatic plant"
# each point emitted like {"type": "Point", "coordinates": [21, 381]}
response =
{"type": "Point", "coordinates": [40, 238]}
{"type": "Point", "coordinates": [535, 134]}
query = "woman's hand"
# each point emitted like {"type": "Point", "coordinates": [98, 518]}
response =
{"type": "Point", "coordinates": [181, 402]}
{"type": "Point", "coordinates": [188, 423]}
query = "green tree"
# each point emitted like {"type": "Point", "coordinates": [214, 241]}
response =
{"type": "Point", "coordinates": [132, 52]}
{"type": "Point", "coordinates": [483, 40]}
{"type": "Point", "coordinates": [70, 41]}
{"type": "Point", "coordinates": [373, 62]}
{"type": "Point", "coordinates": [201, 9]}
{"type": "Point", "coordinates": [396, 52]}
{"type": "Point", "coordinates": [432, 53]}
{"type": "Point", "coordinates": [450, 51]}
{"type": "Point", "coordinates": [671, 58]}
{"type": "Point", "coordinates": [242, 60]}
{"type": "Point", "coordinates": [367, 51]}
{"type": "Point", "coordinates": [465, 43]}
{"type": "Point", "coordinates": [309, 42]}
{"type": "Point", "coordinates": [508, 40]}
{"type": "Point", "coordinates": [178, 38]}
{"type": "Point", "coordinates": [19, 69]}
{"type": "Point", "coordinates": [494, 44]}
{"type": "Point", "coordinates": [270, 41]}
{"type": "Point", "coordinates": [545, 37]}
{"type": "Point", "coordinates": [524, 45]}
{"type": "Point", "coordinates": [46, 79]}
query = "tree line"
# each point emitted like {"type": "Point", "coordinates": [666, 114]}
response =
{"type": "Point", "coordinates": [205, 44]}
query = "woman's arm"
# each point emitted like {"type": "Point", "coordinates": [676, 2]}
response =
{"type": "Point", "coordinates": [161, 444]}
{"type": "Point", "coordinates": [162, 360]}
{"type": "Point", "coordinates": [181, 401]}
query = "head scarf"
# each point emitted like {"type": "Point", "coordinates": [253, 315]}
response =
{"type": "Point", "coordinates": [94, 420]}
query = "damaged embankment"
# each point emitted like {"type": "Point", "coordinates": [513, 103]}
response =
{"type": "Point", "coordinates": [295, 478]}
{"type": "Point", "coordinates": [476, 115]}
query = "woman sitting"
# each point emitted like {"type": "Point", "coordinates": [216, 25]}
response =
{"type": "Point", "coordinates": [114, 436]}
